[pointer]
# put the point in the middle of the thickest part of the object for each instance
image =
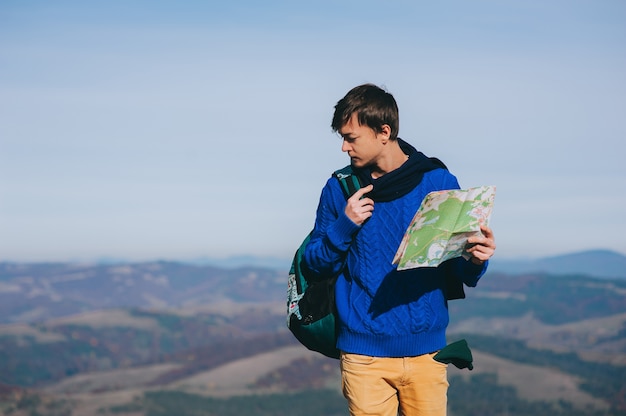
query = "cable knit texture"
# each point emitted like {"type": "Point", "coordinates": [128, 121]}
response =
{"type": "Point", "coordinates": [382, 311]}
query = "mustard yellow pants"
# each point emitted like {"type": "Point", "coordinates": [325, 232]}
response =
{"type": "Point", "coordinates": [408, 386]}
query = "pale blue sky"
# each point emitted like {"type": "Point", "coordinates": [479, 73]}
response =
{"type": "Point", "coordinates": [175, 130]}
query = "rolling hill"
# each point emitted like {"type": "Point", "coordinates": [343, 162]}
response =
{"type": "Point", "coordinates": [147, 338]}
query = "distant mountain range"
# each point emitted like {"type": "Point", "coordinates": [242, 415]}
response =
{"type": "Point", "coordinates": [37, 291]}
{"type": "Point", "coordinates": [595, 263]}
{"type": "Point", "coordinates": [236, 262]}
{"type": "Point", "coordinates": [31, 292]}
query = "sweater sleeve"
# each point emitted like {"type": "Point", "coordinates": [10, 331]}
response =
{"type": "Point", "coordinates": [465, 271]}
{"type": "Point", "coordinates": [332, 234]}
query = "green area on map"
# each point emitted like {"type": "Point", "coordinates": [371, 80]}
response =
{"type": "Point", "coordinates": [442, 224]}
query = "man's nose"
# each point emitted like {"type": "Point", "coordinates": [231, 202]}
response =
{"type": "Point", "coordinates": [345, 146]}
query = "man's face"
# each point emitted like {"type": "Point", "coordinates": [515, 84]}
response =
{"type": "Point", "coordinates": [362, 143]}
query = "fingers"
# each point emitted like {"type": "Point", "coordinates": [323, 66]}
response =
{"type": "Point", "coordinates": [361, 192]}
{"type": "Point", "coordinates": [482, 247]}
{"type": "Point", "coordinates": [486, 239]}
{"type": "Point", "coordinates": [359, 208]}
{"type": "Point", "coordinates": [486, 231]}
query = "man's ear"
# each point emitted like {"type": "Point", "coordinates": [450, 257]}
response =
{"type": "Point", "coordinates": [385, 133]}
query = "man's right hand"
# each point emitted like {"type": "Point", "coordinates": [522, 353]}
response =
{"type": "Point", "coordinates": [359, 208]}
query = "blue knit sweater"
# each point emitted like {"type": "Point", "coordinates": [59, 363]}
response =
{"type": "Point", "coordinates": [382, 311]}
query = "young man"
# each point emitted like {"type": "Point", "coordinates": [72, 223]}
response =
{"type": "Point", "coordinates": [391, 323]}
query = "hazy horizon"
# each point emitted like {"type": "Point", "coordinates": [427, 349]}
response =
{"type": "Point", "coordinates": [243, 259]}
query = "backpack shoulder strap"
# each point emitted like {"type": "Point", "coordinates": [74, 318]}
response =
{"type": "Point", "coordinates": [349, 182]}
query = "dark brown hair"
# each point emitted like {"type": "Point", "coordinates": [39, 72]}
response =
{"type": "Point", "coordinates": [373, 106]}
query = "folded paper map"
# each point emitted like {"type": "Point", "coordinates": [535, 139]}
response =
{"type": "Point", "coordinates": [442, 224]}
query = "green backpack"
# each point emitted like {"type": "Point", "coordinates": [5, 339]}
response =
{"type": "Point", "coordinates": [311, 303]}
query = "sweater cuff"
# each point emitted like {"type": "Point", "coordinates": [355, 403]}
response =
{"type": "Point", "coordinates": [341, 232]}
{"type": "Point", "coordinates": [474, 271]}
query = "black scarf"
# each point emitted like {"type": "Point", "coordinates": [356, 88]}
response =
{"type": "Point", "coordinates": [403, 180]}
